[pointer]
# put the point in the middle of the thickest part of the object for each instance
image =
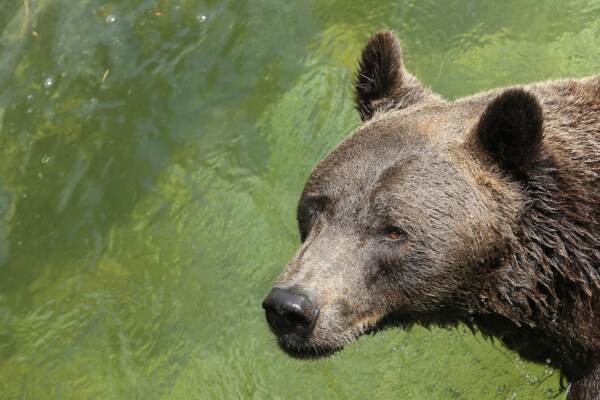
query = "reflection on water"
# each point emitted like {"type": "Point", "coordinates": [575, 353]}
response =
{"type": "Point", "coordinates": [152, 153]}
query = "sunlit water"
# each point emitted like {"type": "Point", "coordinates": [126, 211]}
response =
{"type": "Point", "coordinates": [151, 156]}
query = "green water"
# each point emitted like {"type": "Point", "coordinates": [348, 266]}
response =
{"type": "Point", "coordinates": [151, 156]}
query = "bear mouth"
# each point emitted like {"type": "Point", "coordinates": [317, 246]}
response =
{"type": "Point", "coordinates": [305, 349]}
{"type": "Point", "coordinates": [300, 349]}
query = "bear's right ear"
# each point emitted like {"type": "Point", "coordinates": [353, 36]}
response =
{"type": "Point", "coordinates": [382, 83]}
{"type": "Point", "coordinates": [510, 132]}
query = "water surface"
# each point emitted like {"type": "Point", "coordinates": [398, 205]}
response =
{"type": "Point", "coordinates": [151, 157]}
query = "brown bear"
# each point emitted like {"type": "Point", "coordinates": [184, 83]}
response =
{"type": "Point", "coordinates": [483, 211]}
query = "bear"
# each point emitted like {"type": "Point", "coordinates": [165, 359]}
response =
{"type": "Point", "coordinates": [482, 211]}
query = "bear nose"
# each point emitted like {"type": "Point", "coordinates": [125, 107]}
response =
{"type": "Point", "coordinates": [290, 311]}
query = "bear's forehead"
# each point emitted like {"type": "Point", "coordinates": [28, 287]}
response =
{"type": "Point", "coordinates": [426, 134]}
{"type": "Point", "coordinates": [426, 137]}
{"type": "Point", "coordinates": [358, 165]}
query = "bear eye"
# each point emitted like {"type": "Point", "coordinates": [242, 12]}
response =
{"type": "Point", "coordinates": [394, 234]}
{"type": "Point", "coordinates": [308, 211]}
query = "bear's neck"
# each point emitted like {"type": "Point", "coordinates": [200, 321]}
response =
{"type": "Point", "coordinates": [544, 298]}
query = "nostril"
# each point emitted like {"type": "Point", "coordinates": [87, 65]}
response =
{"type": "Point", "coordinates": [290, 311]}
{"type": "Point", "coordinates": [297, 318]}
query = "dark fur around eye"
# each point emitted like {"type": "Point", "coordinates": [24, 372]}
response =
{"type": "Point", "coordinates": [308, 209]}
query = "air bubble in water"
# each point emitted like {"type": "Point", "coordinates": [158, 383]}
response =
{"type": "Point", "coordinates": [110, 19]}
{"type": "Point", "coordinates": [202, 18]}
{"type": "Point", "coordinates": [48, 83]}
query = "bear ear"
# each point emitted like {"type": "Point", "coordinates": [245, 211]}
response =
{"type": "Point", "coordinates": [382, 83]}
{"type": "Point", "coordinates": [510, 131]}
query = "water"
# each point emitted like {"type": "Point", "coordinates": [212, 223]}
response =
{"type": "Point", "coordinates": [151, 155]}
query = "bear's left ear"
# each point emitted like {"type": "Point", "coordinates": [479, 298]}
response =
{"type": "Point", "coordinates": [510, 132]}
{"type": "Point", "coordinates": [382, 83]}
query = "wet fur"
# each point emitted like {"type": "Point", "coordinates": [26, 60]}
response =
{"type": "Point", "coordinates": [541, 295]}
{"type": "Point", "coordinates": [523, 166]}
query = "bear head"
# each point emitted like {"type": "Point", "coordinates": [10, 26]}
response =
{"type": "Point", "coordinates": [409, 218]}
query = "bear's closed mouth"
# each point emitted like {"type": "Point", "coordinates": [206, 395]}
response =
{"type": "Point", "coordinates": [299, 350]}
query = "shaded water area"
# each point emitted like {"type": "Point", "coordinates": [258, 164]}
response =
{"type": "Point", "coordinates": [151, 157]}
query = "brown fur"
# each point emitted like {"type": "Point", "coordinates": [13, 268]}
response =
{"type": "Point", "coordinates": [497, 197]}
